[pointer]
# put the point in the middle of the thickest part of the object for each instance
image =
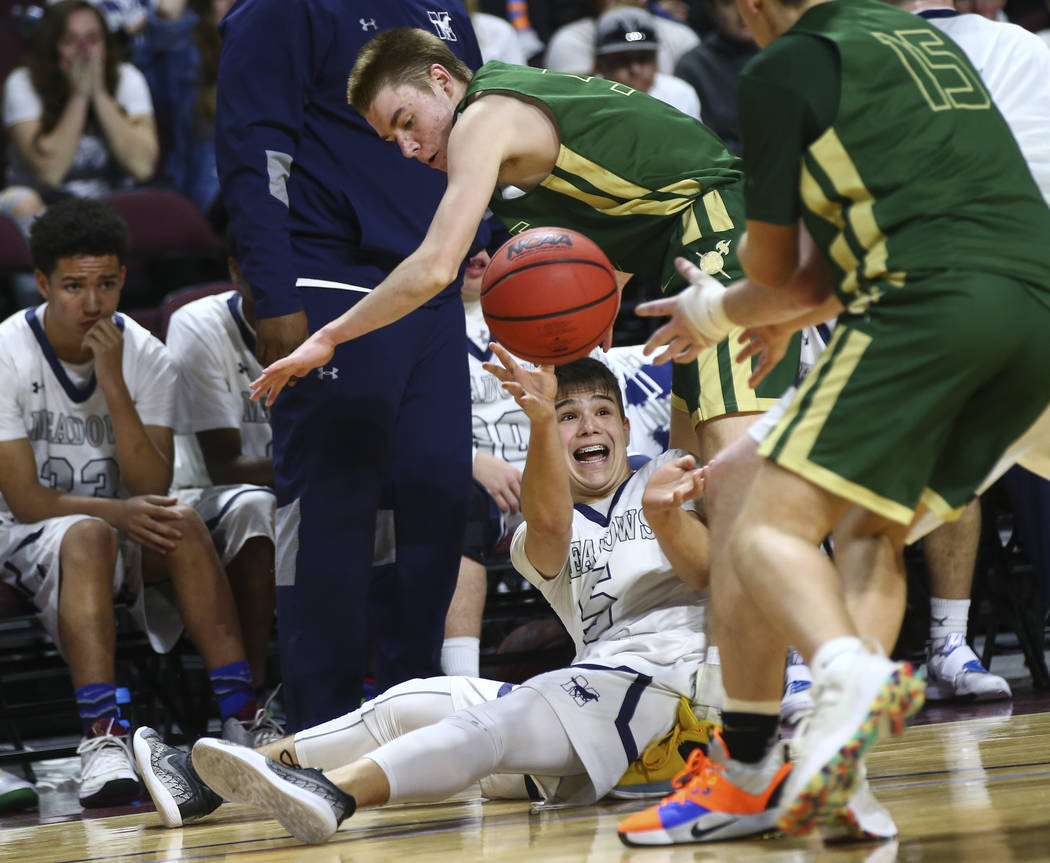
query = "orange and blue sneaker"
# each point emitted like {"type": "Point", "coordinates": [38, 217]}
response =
{"type": "Point", "coordinates": [858, 694]}
{"type": "Point", "coordinates": [717, 798]}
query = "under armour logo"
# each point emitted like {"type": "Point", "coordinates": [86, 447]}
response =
{"type": "Point", "coordinates": [332, 373]}
{"type": "Point", "coordinates": [368, 24]}
{"type": "Point", "coordinates": [242, 368]}
{"type": "Point", "coordinates": [37, 386]}
{"type": "Point", "coordinates": [442, 22]}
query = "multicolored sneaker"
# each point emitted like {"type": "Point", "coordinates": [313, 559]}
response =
{"type": "Point", "coordinates": [854, 696]}
{"type": "Point", "coordinates": [179, 794]}
{"type": "Point", "coordinates": [863, 820]}
{"type": "Point", "coordinates": [107, 770]}
{"type": "Point", "coordinates": [955, 673]}
{"type": "Point", "coordinates": [652, 772]}
{"type": "Point", "coordinates": [306, 804]}
{"type": "Point", "coordinates": [717, 798]}
{"type": "Point", "coordinates": [16, 794]}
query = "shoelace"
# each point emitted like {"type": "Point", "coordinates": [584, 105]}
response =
{"type": "Point", "coordinates": [104, 747]}
{"type": "Point", "coordinates": [699, 772]}
{"type": "Point", "coordinates": [265, 728]}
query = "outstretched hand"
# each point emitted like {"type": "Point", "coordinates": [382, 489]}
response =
{"type": "Point", "coordinates": [315, 352]}
{"type": "Point", "coordinates": [769, 344]}
{"type": "Point", "coordinates": [674, 483]}
{"type": "Point", "coordinates": [697, 322]}
{"type": "Point", "coordinates": [535, 390]}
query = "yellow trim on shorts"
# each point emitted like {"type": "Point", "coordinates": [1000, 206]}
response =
{"type": "Point", "coordinates": [803, 434]}
{"type": "Point", "coordinates": [939, 506]}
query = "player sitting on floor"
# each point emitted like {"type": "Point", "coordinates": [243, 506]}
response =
{"type": "Point", "coordinates": [622, 558]}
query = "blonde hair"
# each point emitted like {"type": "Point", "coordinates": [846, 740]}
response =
{"type": "Point", "coordinates": [403, 55]}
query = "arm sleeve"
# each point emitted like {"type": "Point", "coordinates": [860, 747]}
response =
{"type": "Point", "coordinates": [133, 92]}
{"type": "Point", "coordinates": [205, 401]}
{"type": "Point", "coordinates": [12, 422]}
{"type": "Point", "coordinates": [21, 102]}
{"type": "Point", "coordinates": [152, 379]}
{"type": "Point", "coordinates": [788, 97]}
{"type": "Point", "coordinates": [263, 79]}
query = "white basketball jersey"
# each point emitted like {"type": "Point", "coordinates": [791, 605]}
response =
{"type": "Point", "coordinates": [214, 350]}
{"type": "Point", "coordinates": [500, 427]}
{"type": "Point", "coordinates": [617, 594]}
{"type": "Point", "coordinates": [60, 408]}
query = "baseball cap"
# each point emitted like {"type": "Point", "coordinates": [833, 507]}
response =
{"type": "Point", "coordinates": [621, 30]}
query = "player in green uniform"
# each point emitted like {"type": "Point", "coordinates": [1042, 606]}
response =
{"type": "Point", "coordinates": [875, 130]}
{"type": "Point", "coordinates": [641, 179]}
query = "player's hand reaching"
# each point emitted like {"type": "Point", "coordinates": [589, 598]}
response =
{"type": "Point", "coordinates": [534, 390]}
{"type": "Point", "coordinates": [672, 484]}
{"type": "Point", "coordinates": [769, 344]}
{"type": "Point", "coordinates": [501, 480]}
{"type": "Point", "coordinates": [150, 520]}
{"type": "Point", "coordinates": [698, 318]}
{"type": "Point", "coordinates": [315, 352]}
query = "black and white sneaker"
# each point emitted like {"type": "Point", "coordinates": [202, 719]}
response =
{"type": "Point", "coordinates": [179, 794]}
{"type": "Point", "coordinates": [302, 800]}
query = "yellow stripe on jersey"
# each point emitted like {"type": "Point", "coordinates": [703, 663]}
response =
{"type": "Point", "coordinates": [601, 178]}
{"type": "Point", "coordinates": [801, 428]}
{"type": "Point", "coordinates": [717, 212]}
{"type": "Point", "coordinates": [832, 157]}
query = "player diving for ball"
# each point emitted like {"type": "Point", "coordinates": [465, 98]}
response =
{"type": "Point", "coordinates": [621, 556]}
{"type": "Point", "coordinates": [644, 181]}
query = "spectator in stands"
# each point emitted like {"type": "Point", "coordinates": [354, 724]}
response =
{"type": "Point", "coordinates": [713, 67]}
{"type": "Point", "coordinates": [497, 38]}
{"type": "Point", "coordinates": [178, 52]}
{"type": "Point", "coordinates": [79, 121]}
{"type": "Point", "coordinates": [626, 50]}
{"type": "Point", "coordinates": [86, 419]}
{"type": "Point", "coordinates": [571, 48]}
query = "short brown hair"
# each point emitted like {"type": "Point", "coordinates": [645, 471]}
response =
{"type": "Point", "coordinates": [403, 55]}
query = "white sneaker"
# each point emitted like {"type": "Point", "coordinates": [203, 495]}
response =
{"type": "Point", "coordinates": [16, 793]}
{"type": "Point", "coordinates": [798, 690]}
{"type": "Point", "coordinates": [107, 768]}
{"type": "Point", "coordinates": [863, 819]}
{"type": "Point", "coordinates": [854, 695]}
{"type": "Point", "coordinates": [955, 672]}
{"type": "Point", "coordinates": [254, 725]}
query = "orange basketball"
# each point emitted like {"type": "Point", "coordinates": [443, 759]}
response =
{"type": "Point", "coordinates": [549, 295]}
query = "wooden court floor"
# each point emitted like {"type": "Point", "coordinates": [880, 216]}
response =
{"type": "Point", "coordinates": [974, 789]}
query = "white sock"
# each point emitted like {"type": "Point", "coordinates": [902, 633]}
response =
{"type": "Point", "coordinates": [947, 616]}
{"type": "Point", "coordinates": [461, 656]}
{"type": "Point", "coordinates": [831, 650]}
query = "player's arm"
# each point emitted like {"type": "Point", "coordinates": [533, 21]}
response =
{"type": "Point", "coordinates": [546, 499]}
{"type": "Point", "coordinates": [226, 461]}
{"type": "Point", "coordinates": [682, 536]}
{"type": "Point", "coordinates": [477, 147]}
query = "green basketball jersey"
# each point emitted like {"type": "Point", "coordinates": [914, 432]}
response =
{"type": "Point", "coordinates": [633, 174]}
{"type": "Point", "coordinates": [918, 172]}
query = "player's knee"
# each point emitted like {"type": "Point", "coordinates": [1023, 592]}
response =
{"type": "Point", "coordinates": [90, 544]}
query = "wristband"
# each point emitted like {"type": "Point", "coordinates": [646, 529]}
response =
{"type": "Point", "coordinates": [702, 305]}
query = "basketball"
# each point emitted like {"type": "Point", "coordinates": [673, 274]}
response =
{"type": "Point", "coordinates": [549, 295]}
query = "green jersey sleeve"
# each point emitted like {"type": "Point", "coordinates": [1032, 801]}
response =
{"type": "Point", "coordinates": [789, 94]}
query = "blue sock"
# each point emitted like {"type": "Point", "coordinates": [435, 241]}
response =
{"type": "Point", "coordinates": [97, 701]}
{"type": "Point", "coordinates": [232, 685]}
